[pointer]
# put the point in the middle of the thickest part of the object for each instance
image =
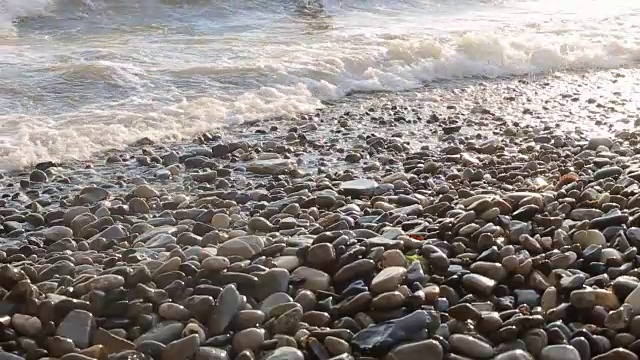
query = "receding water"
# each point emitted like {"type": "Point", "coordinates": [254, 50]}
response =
{"type": "Point", "coordinates": [82, 76]}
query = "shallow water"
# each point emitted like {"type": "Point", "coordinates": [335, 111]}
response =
{"type": "Point", "coordinates": [82, 76]}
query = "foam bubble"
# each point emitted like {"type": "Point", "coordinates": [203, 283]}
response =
{"type": "Point", "coordinates": [95, 93]}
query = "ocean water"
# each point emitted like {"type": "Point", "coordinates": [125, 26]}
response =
{"type": "Point", "coordinates": [80, 76]}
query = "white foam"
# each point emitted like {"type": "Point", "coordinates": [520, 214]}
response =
{"type": "Point", "coordinates": [257, 76]}
{"type": "Point", "coordinates": [11, 10]}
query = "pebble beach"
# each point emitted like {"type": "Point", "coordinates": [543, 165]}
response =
{"type": "Point", "coordinates": [495, 219]}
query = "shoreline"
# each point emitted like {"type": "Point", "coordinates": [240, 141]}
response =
{"type": "Point", "coordinates": [446, 90]}
{"type": "Point", "coordinates": [482, 221]}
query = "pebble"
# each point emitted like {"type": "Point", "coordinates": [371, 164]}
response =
{"type": "Point", "coordinates": [79, 326]}
{"type": "Point", "coordinates": [470, 346]}
{"type": "Point", "coordinates": [331, 241]}
{"type": "Point", "coordinates": [560, 352]}
{"type": "Point", "coordinates": [388, 279]}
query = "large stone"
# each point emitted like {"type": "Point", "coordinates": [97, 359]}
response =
{"type": "Point", "coordinates": [145, 192]}
{"type": "Point", "coordinates": [103, 283]}
{"type": "Point", "coordinates": [160, 241]}
{"type": "Point", "coordinates": [358, 188]}
{"type": "Point", "coordinates": [378, 339]}
{"type": "Point", "coordinates": [421, 350]}
{"type": "Point", "coordinates": [491, 270]}
{"type": "Point", "coordinates": [248, 339]}
{"type": "Point", "coordinates": [514, 355]}
{"type": "Point", "coordinates": [57, 233]}
{"type": "Point", "coordinates": [111, 233]}
{"type": "Point", "coordinates": [470, 346]}
{"type": "Point", "coordinates": [229, 303]}
{"type": "Point", "coordinates": [221, 221]}
{"type": "Point", "coordinates": [596, 142]}
{"type": "Point", "coordinates": [560, 352]}
{"type": "Point", "coordinates": [617, 354]}
{"type": "Point", "coordinates": [274, 300]}
{"type": "Point", "coordinates": [285, 353]}
{"type": "Point", "coordinates": [79, 326]}
{"type": "Point", "coordinates": [211, 353]}
{"type": "Point", "coordinates": [288, 322]}
{"type": "Point", "coordinates": [26, 325]}
{"type": "Point", "coordinates": [215, 263]}
{"type": "Point", "coordinates": [272, 167]}
{"type": "Point", "coordinates": [164, 333]}
{"type": "Point", "coordinates": [478, 284]}
{"type": "Point", "coordinates": [589, 237]}
{"type": "Point", "coordinates": [72, 213]}
{"type": "Point", "coordinates": [633, 299]}
{"type": "Point", "coordinates": [112, 343]}
{"type": "Point", "coordinates": [151, 233]}
{"type": "Point", "coordinates": [258, 224]}
{"type": "Point", "coordinates": [314, 280]}
{"type": "Point", "coordinates": [272, 281]}
{"type": "Point", "coordinates": [183, 348]}
{"type": "Point", "coordinates": [388, 279]}
{"type": "Point", "coordinates": [92, 194]}
{"type": "Point", "coordinates": [243, 246]}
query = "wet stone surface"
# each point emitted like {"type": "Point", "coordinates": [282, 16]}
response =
{"type": "Point", "coordinates": [401, 228]}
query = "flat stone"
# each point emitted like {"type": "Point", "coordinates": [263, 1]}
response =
{"type": "Point", "coordinates": [596, 142]}
{"type": "Point", "coordinates": [172, 311]}
{"type": "Point", "coordinates": [358, 188]}
{"type": "Point", "coordinates": [26, 325]}
{"type": "Point", "coordinates": [470, 346]}
{"type": "Point", "coordinates": [79, 326]}
{"type": "Point", "coordinates": [111, 233]}
{"type": "Point", "coordinates": [314, 280]}
{"type": "Point", "coordinates": [285, 353]}
{"type": "Point", "coordinates": [215, 263]}
{"type": "Point", "coordinates": [151, 233]}
{"type": "Point", "coordinates": [258, 224]}
{"type": "Point", "coordinates": [589, 237]}
{"type": "Point", "coordinates": [145, 192]}
{"type": "Point", "coordinates": [93, 194]}
{"type": "Point", "coordinates": [514, 355]}
{"type": "Point", "coordinates": [229, 303]}
{"type": "Point", "coordinates": [183, 348]}
{"type": "Point", "coordinates": [617, 354]}
{"type": "Point", "coordinates": [248, 339]}
{"type": "Point", "coordinates": [288, 322]}
{"type": "Point", "coordinates": [211, 353]}
{"type": "Point", "coordinates": [491, 270]}
{"type": "Point", "coordinates": [57, 233]}
{"type": "Point", "coordinates": [478, 284]}
{"type": "Point", "coordinates": [560, 352]}
{"type": "Point", "coordinates": [321, 255]}
{"type": "Point", "coordinates": [221, 221]}
{"type": "Point", "coordinates": [164, 333]}
{"type": "Point", "coordinates": [113, 344]}
{"type": "Point", "coordinates": [421, 350]}
{"type": "Point", "coordinates": [72, 213]}
{"type": "Point", "coordinates": [243, 246]}
{"type": "Point", "coordinates": [585, 214]}
{"type": "Point", "coordinates": [272, 167]}
{"type": "Point", "coordinates": [271, 281]}
{"type": "Point", "coordinates": [355, 270]}
{"type": "Point", "coordinates": [104, 283]}
{"type": "Point", "coordinates": [388, 279]}
{"type": "Point", "coordinates": [274, 300]}
{"type": "Point", "coordinates": [139, 206]}
{"type": "Point", "coordinates": [160, 241]}
{"type": "Point", "coordinates": [9, 356]}
{"type": "Point", "coordinates": [378, 339]}
{"type": "Point", "coordinates": [633, 299]}
{"type": "Point", "coordinates": [336, 346]}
